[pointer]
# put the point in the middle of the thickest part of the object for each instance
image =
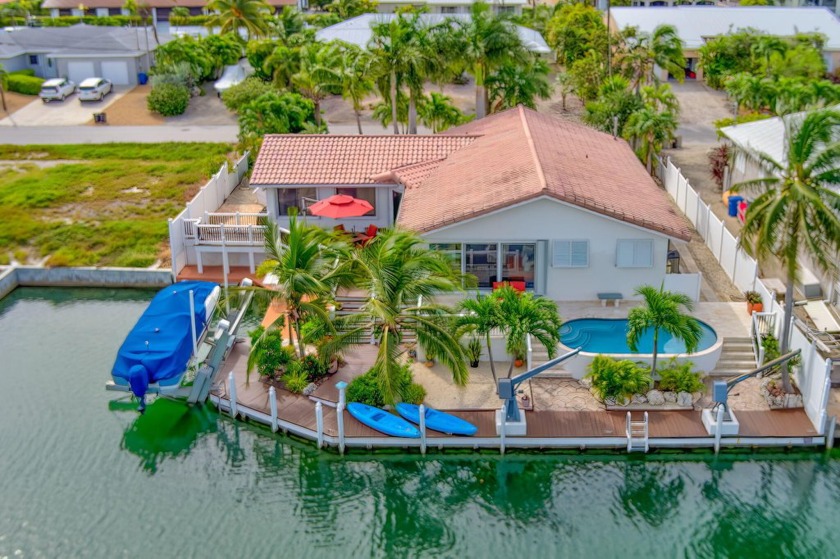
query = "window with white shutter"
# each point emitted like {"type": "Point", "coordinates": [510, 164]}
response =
{"type": "Point", "coordinates": [570, 254]}
{"type": "Point", "coordinates": [634, 253]}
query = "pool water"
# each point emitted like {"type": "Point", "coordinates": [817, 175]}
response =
{"type": "Point", "coordinates": [83, 475]}
{"type": "Point", "coordinates": [605, 335]}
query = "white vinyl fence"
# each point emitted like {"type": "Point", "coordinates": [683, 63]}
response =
{"type": "Point", "coordinates": [813, 377]}
{"type": "Point", "coordinates": [211, 196]}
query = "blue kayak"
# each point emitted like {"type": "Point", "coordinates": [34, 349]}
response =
{"type": "Point", "coordinates": [437, 420]}
{"type": "Point", "coordinates": [383, 421]}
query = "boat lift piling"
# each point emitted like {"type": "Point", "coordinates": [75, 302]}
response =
{"type": "Point", "coordinates": [192, 322]}
{"type": "Point", "coordinates": [319, 423]}
{"type": "Point", "coordinates": [232, 393]}
{"type": "Point", "coordinates": [422, 429]}
{"type": "Point", "coordinates": [272, 402]}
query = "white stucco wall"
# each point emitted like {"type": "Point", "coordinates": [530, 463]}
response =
{"type": "Point", "coordinates": [547, 219]}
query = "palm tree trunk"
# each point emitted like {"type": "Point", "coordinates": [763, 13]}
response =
{"type": "Point", "coordinates": [359, 120]}
{"type": "Point", "coordinates": [785, 345]}
{"type": "Point", "coordinates": [490, 357]}
{"type": "Point", "coordinates": [655, 355]}
{"type": "Point", "coordinates": [3, 99]}
{"type": "Point", "coordinates": [317, 112]}
{"type": "Point", "coordinates": [394, 101]}
{"type": "Point", "coordinates": [412, 113]}
{"type": "Point", "coordinates": [480, 95]}
{"type": "Point", "coordinates": [301, 348]}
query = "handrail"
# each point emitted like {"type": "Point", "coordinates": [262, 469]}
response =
{"type": "Point", "coordinates": [761, 324]}
{"type": "Point", "coordinates": [529, 354]}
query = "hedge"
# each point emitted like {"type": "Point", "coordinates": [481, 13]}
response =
{"type": "Point", "coordinates": [27, 85]}
{"type": "Point", "coordinates": [168, 99]}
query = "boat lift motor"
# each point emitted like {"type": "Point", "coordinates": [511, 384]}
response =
{"type": "Point", "coordinates": [507, 386]}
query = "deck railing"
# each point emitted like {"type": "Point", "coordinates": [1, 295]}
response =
{"type": "Point", "coordinates": [762, 324]}
{"type": "Point", "coordinates": [244, 229]}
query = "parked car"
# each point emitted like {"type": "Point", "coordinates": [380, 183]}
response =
{"type": "Point", "coordinates": [56, 88]}
{"type": "Point", "coordinates": [232, 75]}
{"type": "Point", "coordinates": [94, 89]}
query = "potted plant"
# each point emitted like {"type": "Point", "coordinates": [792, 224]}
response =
{"type": "Point", "coordinates": [754, 301]}
{"type": "Point", "coordinates": [519, 357]}
{"type": "Point", "coordinates": [430, 359]}
{"type": "Point", "coordinates": [474, 351]}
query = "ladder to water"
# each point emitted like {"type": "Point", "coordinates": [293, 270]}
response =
{"type": "Point", "coordinates": [637, 434]}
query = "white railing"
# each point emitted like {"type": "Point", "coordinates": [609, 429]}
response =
{"type": "Point", "coordinates": [246, 235]}
{"type": "Point", "coordinates": [234, 218]}
{"type": "Point", "coordinates": [761, 324]}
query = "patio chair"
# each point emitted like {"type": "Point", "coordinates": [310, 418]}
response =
{"type": "Point", "coordinates": [370, 233]}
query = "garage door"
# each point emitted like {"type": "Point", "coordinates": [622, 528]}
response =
{"type": "Point", "coordinates": [117, 72]}
{"type": "Point", "coordinates": [79, 71]}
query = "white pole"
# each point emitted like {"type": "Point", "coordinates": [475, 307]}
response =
{"type": "Point", "coordinates": [829, 435]}
{"type": "Point", "coordinates": [422, 429]}
{"type": "Point", "coordinates": [718, 428]}
{"type": "Point", "coordinates": [339, 410]}
{"type": "Point", "coordinates": [502, 431]}
{"type": "Point", "coordinates": [319, 421]}
{"type": "Point", "coordinates": [192, 322]}
{"type": "Point", "coordinates": [272, 402]}
{"type": "Point", "coordinates": [232, 393]}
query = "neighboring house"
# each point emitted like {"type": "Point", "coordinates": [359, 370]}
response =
{"type": "Point", "coordinates": [451, 6]}
{"type": "Point", "coordinates": [696, 24]}
{"type": "Point", "coordinates": [769, 136]}
{"type": "Point", "coordinates": [516, 196]}
{"type": "Point", "coordinates": [358, 30]}
{"type": "Point", "coordinates": [80, 52]}
{"type": "Point", "coordinates": [161, 9]}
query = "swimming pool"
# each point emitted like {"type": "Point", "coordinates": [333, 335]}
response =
{"type": "Point", "coordinates": [604, 335]}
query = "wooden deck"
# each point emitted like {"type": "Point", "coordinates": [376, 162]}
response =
{"type": "Point", "coordinates": [590, 426]}
{"type": "Point", "coordinates": [215, 274]}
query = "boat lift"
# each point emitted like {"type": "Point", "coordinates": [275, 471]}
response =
{"type": "Point", "coordinates": [514, 419]}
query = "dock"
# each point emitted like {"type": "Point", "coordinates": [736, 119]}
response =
{"type": "Point", "coordinates": [319, 418]}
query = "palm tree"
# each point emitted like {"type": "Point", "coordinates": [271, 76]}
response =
{"type": "Point", "coordinates": [487, 42]}
{"type": "Point", "coordinates": [318, 75]}
{"type": "Point", "coordinates": [527, 315]}
{"type": "Point", "coordinates": [662, 312]}
{"type": "Point", "coordinates": [481, 316]}
{"type": "Point", "coordinates": [764, 47]}
{"type": "Point", "coordinates": [797, 207]}
{"type": "Point", "coordinates": [661, 98]}
{"type": "Point", "coordinates": [642, 51]}
{"type": "Point", "coordinates": [303, 260]}
{"type": "Point", "coordinates": [252, 15]}
{"type": "Point", "coordinates": [653, 129]}
{"type": "Point", "coordinates": [394, 52]}
{"type": "Point", "coordinates": [282, 64]}
{"type": "Point", "coordinates": [519, 84]}
{"type": "Point", "coordinates": [3, 75]}
{"type": "Point", "coordinates": [438, 113]}
{"type": "Point", "coordinates": [355, 79]}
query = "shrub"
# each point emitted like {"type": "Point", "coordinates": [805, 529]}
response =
{"type": "Point", "coordinates": [313, 367]}
{"type": "Point", "coordinates": [365, 389]}
{"type": "Point", "coordinates": [679, 377]}
{"type": "Point", "coordinates": [269, 354]}
{"type": "Point", "coordinates": [169, 99]}
{"type": "Point", "coordinates": [27, 85]}
{"type": "Point", "coordinates": [414, 394]}
{"type": "Point", "coordinates": [771, 347]}
{"type": "Point", "coordinates": [295, 378]}
{"type": "Point", "coordinates": [613, 379]}
{"type": "Point", "coordinates": [244, 92]}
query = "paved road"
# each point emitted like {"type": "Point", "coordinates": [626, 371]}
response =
{"type": "Point", "coordinates": [24, 135]}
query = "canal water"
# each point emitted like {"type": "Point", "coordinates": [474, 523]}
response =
{"type": "Point", "coordinates": [83, 475]}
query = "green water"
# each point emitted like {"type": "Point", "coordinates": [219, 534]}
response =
{"type": "Point", "coordinates": [83, 476]}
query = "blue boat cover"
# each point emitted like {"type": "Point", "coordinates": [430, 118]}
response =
{"type": "Point", "coordinates": [159, 346]}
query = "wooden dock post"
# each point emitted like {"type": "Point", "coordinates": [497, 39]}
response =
{"type": "Point", "coordinates": [319, 421]}
{"type": "Point", "coordinates": [830, 432]}
{"type": "Point", "coordinates": [502, 431]}
{"type": "Point", "coordinates": [422, 429]}
{"type": "Point", "coordinates": [272, 402]}
{"type": "Point", "coordinates": [718, 428]}
{"type": "Point", "coordinates": [232, 394]}
{"type": "Point", "coordinates": [339, 418]}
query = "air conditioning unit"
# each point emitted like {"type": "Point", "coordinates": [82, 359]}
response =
{"type": "Point", "coordinates": [809, 284]}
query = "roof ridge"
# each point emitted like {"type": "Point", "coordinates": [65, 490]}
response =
{"type": "Point", "coordinates": [375, 136]}
{"type": "Point", "coordinates": [532, 148]}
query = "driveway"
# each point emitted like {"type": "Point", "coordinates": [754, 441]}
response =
{"type": "Point", "coordinates": [62, 113]}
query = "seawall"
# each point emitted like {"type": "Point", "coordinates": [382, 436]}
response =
{"type": "Point", "coordinates": [36, 276]}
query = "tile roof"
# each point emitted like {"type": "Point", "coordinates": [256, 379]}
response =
{"type": "Point", "coordinates": [93, 4]}
{"type": "Point", "coordinates": [287, 159]}
{"type": "Point", "coordinates": [78, 39]}
{"type": "Point", "coordinates": [522, 155]}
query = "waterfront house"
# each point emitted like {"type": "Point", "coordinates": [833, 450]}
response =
{"type": "Point", "coordinates": [516, 196]}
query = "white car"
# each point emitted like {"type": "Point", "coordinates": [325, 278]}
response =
{"type": "Point", "coordinates": [232, 75]}
{"type": "Point", "coordinates": [57, 88]}
{"type": "Point", "coordinates": [94, 89]}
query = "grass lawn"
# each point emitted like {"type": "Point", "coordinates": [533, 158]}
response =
{"type": "Point", "coordinates": [97, 205]}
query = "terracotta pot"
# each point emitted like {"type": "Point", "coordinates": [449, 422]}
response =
{"type": "Point", "coordinates": [757, 307]}
{"type": "Point", "coordinates": [474, 364]}
{"type": "Point", "coordinates": [430, 364]}
{"type": "Point", "coordinates": [518, 363]}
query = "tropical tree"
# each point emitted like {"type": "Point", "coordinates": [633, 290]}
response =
{"type": "Point", "coordinates": [662, 311]}
{"type": "Point", "coordinates": [525, 314]}
{"type": "Point", "coordinates": [281, 65]}
{"type": "Point", "coordinates": [519, 84]}
{"type": "Point", "coordinates": [746, 90]}
{"type": "Point", "coordinates": [273, 113]}
{"type": "Point", "coordinates": [396, 270]}
{"type": "Point", "coordinates": [3, 75]}
{"type": "Point", "coordinates": [481, 316]}
{"type": "Point", "coordinates": [304, 260]}
{"type": "Point", "coordinates": [765, 46]}
{"type": "Point", "coordinates": [652, 129]}
{"type": "Point", "coordinates": [575, 30]}
{"type": "Point", "coordinates": [797, 207]}
{"type": "Point", "coordinates": [639, 52]}
{"type": "Point", "coordinates": [487, 41]}
{"type": "Point", "coordinates": [345, 9]}
{"type": "Point", "coordinates": [354, 76]}
{"type": "Point", "coordinates": [287, 22]}
{"type": "Point", "coordinates": [231, 15]}
{"type": "Point", "coordinates": [613, 106]}
{"type": "Point", "coordinates": [394, 51]}
{"type": "Point", "coordinates": [565, 86]}
{"type": "Point", "coordinates": [318, 75]}
{"type": "Point", "coordinates": [438, 113]}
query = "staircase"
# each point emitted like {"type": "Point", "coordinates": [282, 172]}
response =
{"type": "Point", "coordinates": [637, 434]}
{"type": "Point", "coordinates": [351, 304]}
{"type": "Point", "coordinates": [736, 358]}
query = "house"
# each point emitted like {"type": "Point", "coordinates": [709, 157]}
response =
{"type": "Point", "coordinates": [79, 52]}
{"type": "Point", "coordinates": [358, 30]}
{"type": "Point", "coordinates": [517, 196]}
{"type": "Point", "coordinates": [696, 24]}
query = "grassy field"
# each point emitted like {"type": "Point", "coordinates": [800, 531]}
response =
{"type": "Point", "coordinates": [97, 205]}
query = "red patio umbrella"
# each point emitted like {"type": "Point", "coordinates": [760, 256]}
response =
{"type": "Point", "coordinates": [340, 205]}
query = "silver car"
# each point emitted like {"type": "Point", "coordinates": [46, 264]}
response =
{"type": "Point", "coordinates": [56, 88]}
{"type": "Point", "coordinates": [94, 89]}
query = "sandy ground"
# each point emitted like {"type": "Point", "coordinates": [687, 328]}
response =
{"type": "Point", "coordinates": [15, 101]}
{"type": "Point", "coordinates": [132, 110]}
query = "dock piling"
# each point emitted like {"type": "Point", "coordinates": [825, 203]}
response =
{"type": "Point", "coordinates": [319, 422]}
{"type": "Point", "coordinates": [339, 418]}
{"type": "Point", "coordinates": [232, 393]}
{"type": "Point", "coordinates": [422, 429]}
{"type": "Point", "coordinates": [272, 402]}
{"type": "Point", "coordinates": [718, 428]}
{"type": "Point", "coordinates": [830, 432]}
{"type": "Point", "coordinates": [502, 431]}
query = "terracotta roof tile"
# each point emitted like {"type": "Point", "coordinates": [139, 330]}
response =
{"type": "Point", "coordinates": [327, 159]}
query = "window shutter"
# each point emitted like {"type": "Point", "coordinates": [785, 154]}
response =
{"type": "Point", "coordinates": [570, 254]}
{"type": "Point", "coordinates": [634, 253]}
